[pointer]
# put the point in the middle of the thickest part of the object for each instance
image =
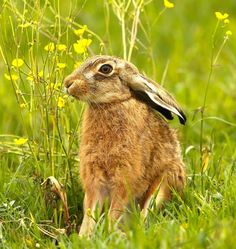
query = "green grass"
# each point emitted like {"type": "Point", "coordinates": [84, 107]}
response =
{"type": "Point", "coordinates": [177, 47]}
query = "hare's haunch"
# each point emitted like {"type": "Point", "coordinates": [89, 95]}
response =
{"type": "Point", "coordinates": [127, 149]}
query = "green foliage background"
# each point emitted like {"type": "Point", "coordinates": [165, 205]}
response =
{"type": "Point", "coordinates": [177, 48]}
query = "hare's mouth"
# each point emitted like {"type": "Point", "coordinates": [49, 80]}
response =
{"type": "Point", "coordinates": [73, 93]}
{"type": "Point", "coordinates": [77, 88]}
{"type": "Point", "coordinates": [77, 93]}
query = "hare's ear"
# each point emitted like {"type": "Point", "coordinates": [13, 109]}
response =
{"type": "Point", "coordinates": [156, 97]}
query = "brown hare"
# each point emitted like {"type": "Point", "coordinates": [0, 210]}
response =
{"type": "Point", "coordinates": [127, 149]}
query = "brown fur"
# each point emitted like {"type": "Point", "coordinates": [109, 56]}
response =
{"type": "Point", "coordinates": [127, 150]}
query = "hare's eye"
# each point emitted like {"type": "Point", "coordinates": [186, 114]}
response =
{"type": "Point", "coordinates": [105, 69]}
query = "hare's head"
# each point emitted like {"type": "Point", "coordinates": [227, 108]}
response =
{"type": "Point", "coordinates": [99, 80]}
{"type": "Point", "coordinates": [107, 79]}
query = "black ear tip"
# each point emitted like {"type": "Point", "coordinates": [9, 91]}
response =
{"type": "Point", "coordinates": [144, 97]}
{"type": "Point", "coordinates": [182, 118]}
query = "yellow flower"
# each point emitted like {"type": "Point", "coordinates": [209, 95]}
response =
{"type": "Point", "coordinates": [80, 32]}
{"type": "Point", "coordinates": [221, 16]}
{"type": "Point", "coordinates": [61, 47]}
{"type": "Point", "coordinates": [81, 46]}
{"type": "Point", "coordinates": [11, 77]}
{"type": "Point", "coordinates": [226, 21]}
{"type": "Point", "coordinates": [17, 63]}
{"type": "Point", "coordinates": [60, 102]}
{"type": "Point", "coordinates": [24, 25]}
{"type": "Point", "coordinates": [77, 64]}
{"type": "Point", "coordinates": [185, 225]}
{"type": "Point", "coordinates": [20, 141]}
{"type": "Point", "coordinates": [88, 212]}
{"type": "Point", "coordinates": [228, 32]}
{"type": "Point", "coordinates": [50, 47]}
{"type": "Point", "coordinates": [61, 65]}
{"type": "Point", "coordinates": [68, 19]}
{"type": "Point", "coordinates": [168, 4]}
{"type": "Point", "coordinates": [40, 74]}
{"type": "Point", "coordinates": [23, 105]}
{"type": "Point", "coordinates": [30, 77]}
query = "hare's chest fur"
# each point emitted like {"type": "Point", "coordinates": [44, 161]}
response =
{"type": "Point", "coordinates": [112, 139]}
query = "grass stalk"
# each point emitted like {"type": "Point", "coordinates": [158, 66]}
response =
{"type": "Point", "coordinates": [134, 29]}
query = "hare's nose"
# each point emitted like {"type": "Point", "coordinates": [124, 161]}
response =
{"type": "Point", "coordinates": [68, 82]}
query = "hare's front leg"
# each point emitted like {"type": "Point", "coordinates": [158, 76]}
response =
{"type": "Point", "coordinates": [119, 200]}
{"type": "Point", "coordinates": [92, 198]}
